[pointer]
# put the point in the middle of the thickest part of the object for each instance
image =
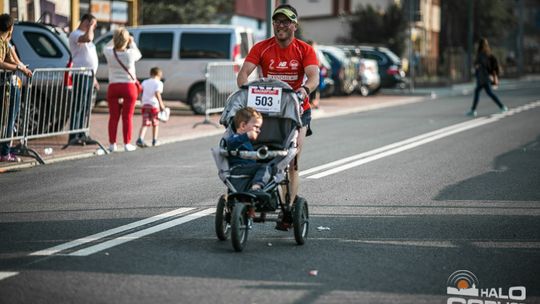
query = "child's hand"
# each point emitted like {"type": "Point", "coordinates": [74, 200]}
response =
{"type": "Point", "coordinates": [253, 134]}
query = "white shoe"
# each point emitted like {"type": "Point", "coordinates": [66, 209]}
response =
{"type": "Point", "coordinates": [129, 147]}
{"type": "Point", "coordinates": [113, 148]}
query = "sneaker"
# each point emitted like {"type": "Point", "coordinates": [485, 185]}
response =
{"type": "Point", "coordinates": [504, 109]}
{"type": "Point", "coordinates": [140, 143]}
{"type": "Point", "coordinates": [129, 148]}
{"type": "Point", "coordinates": [282, 226]}
{"type": "Point", "coordinates": [113, 148]}
{"type": "Point", "coordinates": [472, 113]}
{"type": "Point", "coordinates": [155, 142]}
{"type": "Point", "coordinates": [10, 158]}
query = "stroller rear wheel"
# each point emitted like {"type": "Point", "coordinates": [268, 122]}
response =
{"type": "Point", "coordinates": [300, 220]}
{"type": "Point", "coordinates": [239, 226]}
{"type": "Point", "coordinates": [223, 219]}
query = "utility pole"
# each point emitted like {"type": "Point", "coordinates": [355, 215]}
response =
{"type": "Point", "coordinates": [75, 14]}
{"type": "Point", "coordinates": [411, 44]}
{"type": "Point", "coordinates": [519, 39]}
{"type": "Point", "coordinates": [470, 43]}
{"type": "Point", "coordinates": [269, 10]}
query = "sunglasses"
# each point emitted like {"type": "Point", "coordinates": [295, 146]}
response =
{"type": "Point", "coordinates": [284, 22]}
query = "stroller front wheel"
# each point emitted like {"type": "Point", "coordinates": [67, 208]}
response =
{"type": "Point", "coordinates": [300, 220]}
{"type": "Point", "coordinates": [239, 226]}
{"type": "Point", "coordinates": [223, 219]}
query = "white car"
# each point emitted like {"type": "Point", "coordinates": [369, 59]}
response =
{"type": "Point", "coordinates": [182, 52]}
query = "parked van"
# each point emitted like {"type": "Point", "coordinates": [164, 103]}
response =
{"type": "Point", "coordinates": [182, 52]}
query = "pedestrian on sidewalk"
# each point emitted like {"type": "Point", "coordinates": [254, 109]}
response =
{"type": "Point", "coordinates": [152, 104]}
{"type": "Point", "coordinates": [487, 73]}
{"type": "Point", "coordinates": [10, 87]}
{"type": "Point", "coordinates": [123, 91]}
{"type": "Point", "coordinates": [84, 55]}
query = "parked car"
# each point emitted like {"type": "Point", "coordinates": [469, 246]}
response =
{"type": "Point", "coordinates": [368, 78]}
{"type": "Point", "coordinates": [344, 74]}
{"type": "Point", "coordinates": [44, 46]}
{"type": "Point", "coordinates": [390, 68]}
{"type": "Point", "coordinates": [182, 52]}
{"type": "Point", "coordinates": [326, 83]}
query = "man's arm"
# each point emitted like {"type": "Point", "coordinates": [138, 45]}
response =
{"type": "Point", "coordinates": [89, 34]}
{"type": "Point", "coordinates": [245, 71]}
{"type": "Point", "coordinates": [312, 82]}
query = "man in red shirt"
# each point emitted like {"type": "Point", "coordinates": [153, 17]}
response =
{"type": "Point", "coordinates": [288, 59]}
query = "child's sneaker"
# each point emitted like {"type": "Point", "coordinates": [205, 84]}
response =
{"type": "Point", "coordinates": [155, 142]}
{"type": "Point", "coordinates": [141, 143]}
{"type": "Point", "coordinates": [10, 158]}
{"type": "Point", "coordinates": [113, 148]}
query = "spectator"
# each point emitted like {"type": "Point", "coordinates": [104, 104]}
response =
{"type": "Point", "coordinates": [10, 85]}
{"type": "Point", "coordinates": [123, 91]}
{"type": "Point", "coordinates": [84, 54]}
{"type": "Point", "coordinates": [152, 104]}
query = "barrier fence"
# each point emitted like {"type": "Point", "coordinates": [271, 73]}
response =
{"type": "Point", "coordinates": [220, 83]}
{"type": "Point", "coordinates": [50, 103]}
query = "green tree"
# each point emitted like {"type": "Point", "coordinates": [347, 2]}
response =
{"type": "Point", "coordinates": [370, 26]}
{"type": "Point", "coordinates": [186, 11]}
{"type": "Point", "coordinates": [493, 19]}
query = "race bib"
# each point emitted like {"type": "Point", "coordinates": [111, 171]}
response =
{"type": "Point", "coordinates": [264, 99]}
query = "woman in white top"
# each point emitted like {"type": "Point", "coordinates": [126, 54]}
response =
{"type": "Point", "coordinates": [122, 92]}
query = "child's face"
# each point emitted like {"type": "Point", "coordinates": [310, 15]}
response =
{"type": "Point", "coordinates": [252, 127]}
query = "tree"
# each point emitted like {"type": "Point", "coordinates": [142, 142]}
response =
{"type": "Point", "coordinates": [369, 26]}
{"type": "Point", "coordinates": [186, 11]}
{"type": "Point", "coordinates": [491, 19]}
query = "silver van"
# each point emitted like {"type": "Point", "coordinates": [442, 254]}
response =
{"type": "Point", "coordinates": [182, 52]}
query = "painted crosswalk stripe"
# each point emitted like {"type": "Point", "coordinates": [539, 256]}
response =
{"type": "Point", "coordinates": [7, 274]}
{"type": "Point", "coordinates": [138, 234]}
{"type": "Point", "coordinates": [98, 236]}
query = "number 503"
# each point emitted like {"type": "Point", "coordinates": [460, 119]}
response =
{"type": "Point", "coordinates": [265, 101]}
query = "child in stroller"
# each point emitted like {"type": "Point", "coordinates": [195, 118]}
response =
{"type": "Point", "coordinates": [247, 122]}
{"type": "Point", "coordinates": [273, 148]}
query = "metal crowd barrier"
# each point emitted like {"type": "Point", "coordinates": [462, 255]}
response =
{"type": "Point", "coordinates": [52, 102]}
{"type": "Point", "coordinates": [220, 83]}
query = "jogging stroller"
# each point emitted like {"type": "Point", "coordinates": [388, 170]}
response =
{"type": "Point", "coordinates": [275, 146]}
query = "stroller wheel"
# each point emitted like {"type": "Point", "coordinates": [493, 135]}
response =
{"type": "Point", "coordinates": [300, 220]}
{"type": "Point", "coordinates": [239, 226]}
{"type": "Point", "coordinates": [223, 219]}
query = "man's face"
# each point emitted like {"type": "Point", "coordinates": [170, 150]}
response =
{"type": "Point", "coordinates": [284, 28]}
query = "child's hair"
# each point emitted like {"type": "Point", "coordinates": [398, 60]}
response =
{"type": "Point", "coordinates": [154, 71]}
{"type": "Point", "coordinates": [245, 115]}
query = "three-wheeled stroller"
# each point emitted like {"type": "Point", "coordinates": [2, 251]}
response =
{"type": "Point", "coordinates": [276, 146]}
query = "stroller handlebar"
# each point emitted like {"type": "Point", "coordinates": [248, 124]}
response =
{"type": "Point", "coordinates": [261, 153]}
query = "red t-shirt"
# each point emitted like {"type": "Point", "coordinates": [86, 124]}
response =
{"type": "Point", "coordinates": [286, 64]}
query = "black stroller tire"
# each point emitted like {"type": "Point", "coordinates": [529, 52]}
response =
{"type": "Point", "coordinates": [300, 220]}
{"type": "Point", "coordinates": [222, 226]}
{"type": "Point", "coordinates": [239, 226]}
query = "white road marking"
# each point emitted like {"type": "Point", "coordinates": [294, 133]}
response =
{"type": "Point", "coordinates": [7, 274]}
{"type": "Point", "coordinates": [369, 156]}
{"type": "Point", "coordinates": [97, 236]}
{"type": "Point", "coordinates": [138, 234]}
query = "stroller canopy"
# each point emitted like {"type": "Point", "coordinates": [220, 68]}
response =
{"type": "Point", "coordinates": [289, 101]}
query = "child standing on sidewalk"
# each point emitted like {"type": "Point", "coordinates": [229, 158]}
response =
{"type": "Point", "coordinates": [151, 105]}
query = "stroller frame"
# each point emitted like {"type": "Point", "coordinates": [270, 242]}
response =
{"type": "Point", "coordinates": [237, 210]}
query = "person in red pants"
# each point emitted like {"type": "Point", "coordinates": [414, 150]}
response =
{"type": "Point", "coordinates": [123, 91]}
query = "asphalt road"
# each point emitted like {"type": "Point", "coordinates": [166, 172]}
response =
{"type": "Point", "coordinates": [403, 196]}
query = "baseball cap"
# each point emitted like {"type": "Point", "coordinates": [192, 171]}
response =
{"type": "Point", "coordinates": [287, 12]}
